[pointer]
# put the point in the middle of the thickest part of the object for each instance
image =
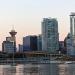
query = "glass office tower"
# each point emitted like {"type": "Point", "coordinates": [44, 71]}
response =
{"type": "Point", "coordinates": [50, 35]}
{"type": "Point", "coordinates": [72, 32]}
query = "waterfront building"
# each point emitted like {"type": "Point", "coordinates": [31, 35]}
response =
{"type": "Point", "coordinates": [72, 24]}
{"type": "Point", "coordinates": [72, 32]}
{"type": "Point", "coordinates": [30, 43]}
{"type": "Point", "coordinates": [20, 48]}
{"type": "Point", "coordinates": [8, 38]}
{"type": "Point", "coordinates": [8, 47]}
{"type": "Point", "coordinates": [62, 47]}
{"type": "Point", "coordinates": [39, 42]}
{"type": "Point", "coordinates": [13, 38]}
{"type": "Point", "coordinates": [68, 45]}
{"type": "Point", "coordinates": [50, 35]}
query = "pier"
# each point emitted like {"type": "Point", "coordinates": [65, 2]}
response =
{"type": "Point", "coordinates": [28, 57]}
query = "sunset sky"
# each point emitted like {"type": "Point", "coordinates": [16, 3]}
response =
{"type": "Point", "coordinates": [26, 16]}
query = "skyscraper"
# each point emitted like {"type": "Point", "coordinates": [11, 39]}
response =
{"type": "Point", "coordinates": [68, 45]}
{"type": "Point", "coordinates": [20, 48]}
{"type": "Point", "coordinates": [30, 43]}
{"type": "Point", "coordinates": [72, 32]}
{"type": "Point", "coordinates": [72, 24]}
{"type": "Point", "coordinates": [13, 33]}
{"type": "Point", "coordinates": [50, 35]}
{"type": "Point", "coordinates": [39, 42]}
{"type": "Point", "coordinates": [13, 38]}
{"type": "Point", "coordinates": [9, 45]}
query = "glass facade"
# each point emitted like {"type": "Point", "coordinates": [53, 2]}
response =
{"type": "Point", "coordinates": [8, 47]}
{"type": "Point", "coordinates": [50, 35]}
{"type": "Point", "coordinates": [39, 42]}
{"type": "Point", "coordinates": [72, 32]}
{"type": "Point", "coordinates": [30, 43]}
{"type": "Point", "coordinates": [72, 22]}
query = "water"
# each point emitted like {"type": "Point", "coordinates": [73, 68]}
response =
{"type": "Point", "coordinates": [38, 69]}
{"type": "Point", "coordinates": [25, 69]}
{"type": "Point", "coordinates": [62, 69]}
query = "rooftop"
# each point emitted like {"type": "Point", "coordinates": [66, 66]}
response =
{"type": "Point", "coordinates": [72, 14]}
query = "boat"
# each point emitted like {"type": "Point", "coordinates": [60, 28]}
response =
{"type": "Point", "coordinates": [68, 62]}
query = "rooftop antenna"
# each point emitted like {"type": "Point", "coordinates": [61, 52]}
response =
{"type": "Point", "coordinates": [12, 27]}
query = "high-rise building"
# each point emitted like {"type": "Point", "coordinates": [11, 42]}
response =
{"type": "Point", "coordinates": [50, 35]}
{"type": "Point", "coordinates": [8, 38]}
{"type": "Point", "coordinates": [30, 43]}
{"type": "Point", "coordinates": [8, 47]}
{"type": "Point", "coordinates": [68, 45]}
{"type": "Point", "coordinates": [13, 33]}
{"type": "Point", "coordinates": [20, 48]}
{"type": "Point", "coordinates": [72, 32]}
{"type": "Point", "coordinates": [13, 38]}
{"type": "Point", "coordinates": [61, 47]}
{"type": "Point", "coordinates": [72, 24]}
{"type": "Point", "coordinates": [39, 42]}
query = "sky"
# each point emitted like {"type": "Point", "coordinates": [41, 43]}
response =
{"type": "Point", "coordinates": [27, 15]}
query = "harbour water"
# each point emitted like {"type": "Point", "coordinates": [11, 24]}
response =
{"type": "Point", "coordinates": [38, 69]}
{"type": "Point", "coordinates": [25, 69]}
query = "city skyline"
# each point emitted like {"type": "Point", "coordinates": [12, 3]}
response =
{"type": "Point", "coordinates": [37, 37]}
{"type": "Point", "coordinates": [21, 42]}
{"type": "Point", "coordinates": [26, 16]}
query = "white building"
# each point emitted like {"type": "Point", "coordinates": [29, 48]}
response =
{"type": "Point", "coordinates": [50, 35]}
{"type": "Point", "coordinates": [72, 32]}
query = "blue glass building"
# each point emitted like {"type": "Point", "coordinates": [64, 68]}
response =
{"type": "Point", "coordinates": [30, 43]}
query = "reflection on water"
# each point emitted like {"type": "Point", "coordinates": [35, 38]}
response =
{"type": "Point", "coordinates": [67, 69]}
{"type": "Point", "coordinates": [38, 69]}
{"type": "Point", "coordinates": [25, 69]}
{"type": "Point", "coordinates": [62, 69]}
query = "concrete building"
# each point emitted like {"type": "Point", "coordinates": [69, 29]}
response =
{"type": "Point", "coordinates": [39, 42]}
{"type": "Point", "coordinates": [20, 48]}
{"type": "Point", "coordinates": [8, 47]}
{"type": "Point", "coordinates": [8, 38]}
{"type": "Point", "coordinates": [13, 38]}
{"type": "Point", "coordinates": [50, 35]}
{"type": "Point", "coordinates": [62, 47]}
{"type": "Point", "coordinates": [30, 43]}
{"type": "Point", "coordinates": [72, 24]}
{"type": "Point", "coordinates": [68, 45]}
{"type": "Point", "coordinates": [72, 32]}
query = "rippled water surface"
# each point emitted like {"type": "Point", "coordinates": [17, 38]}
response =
{"type": "Point", "coordinates": [25, 69]}
{"type": "Point", "coordinates": [38, 69]}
